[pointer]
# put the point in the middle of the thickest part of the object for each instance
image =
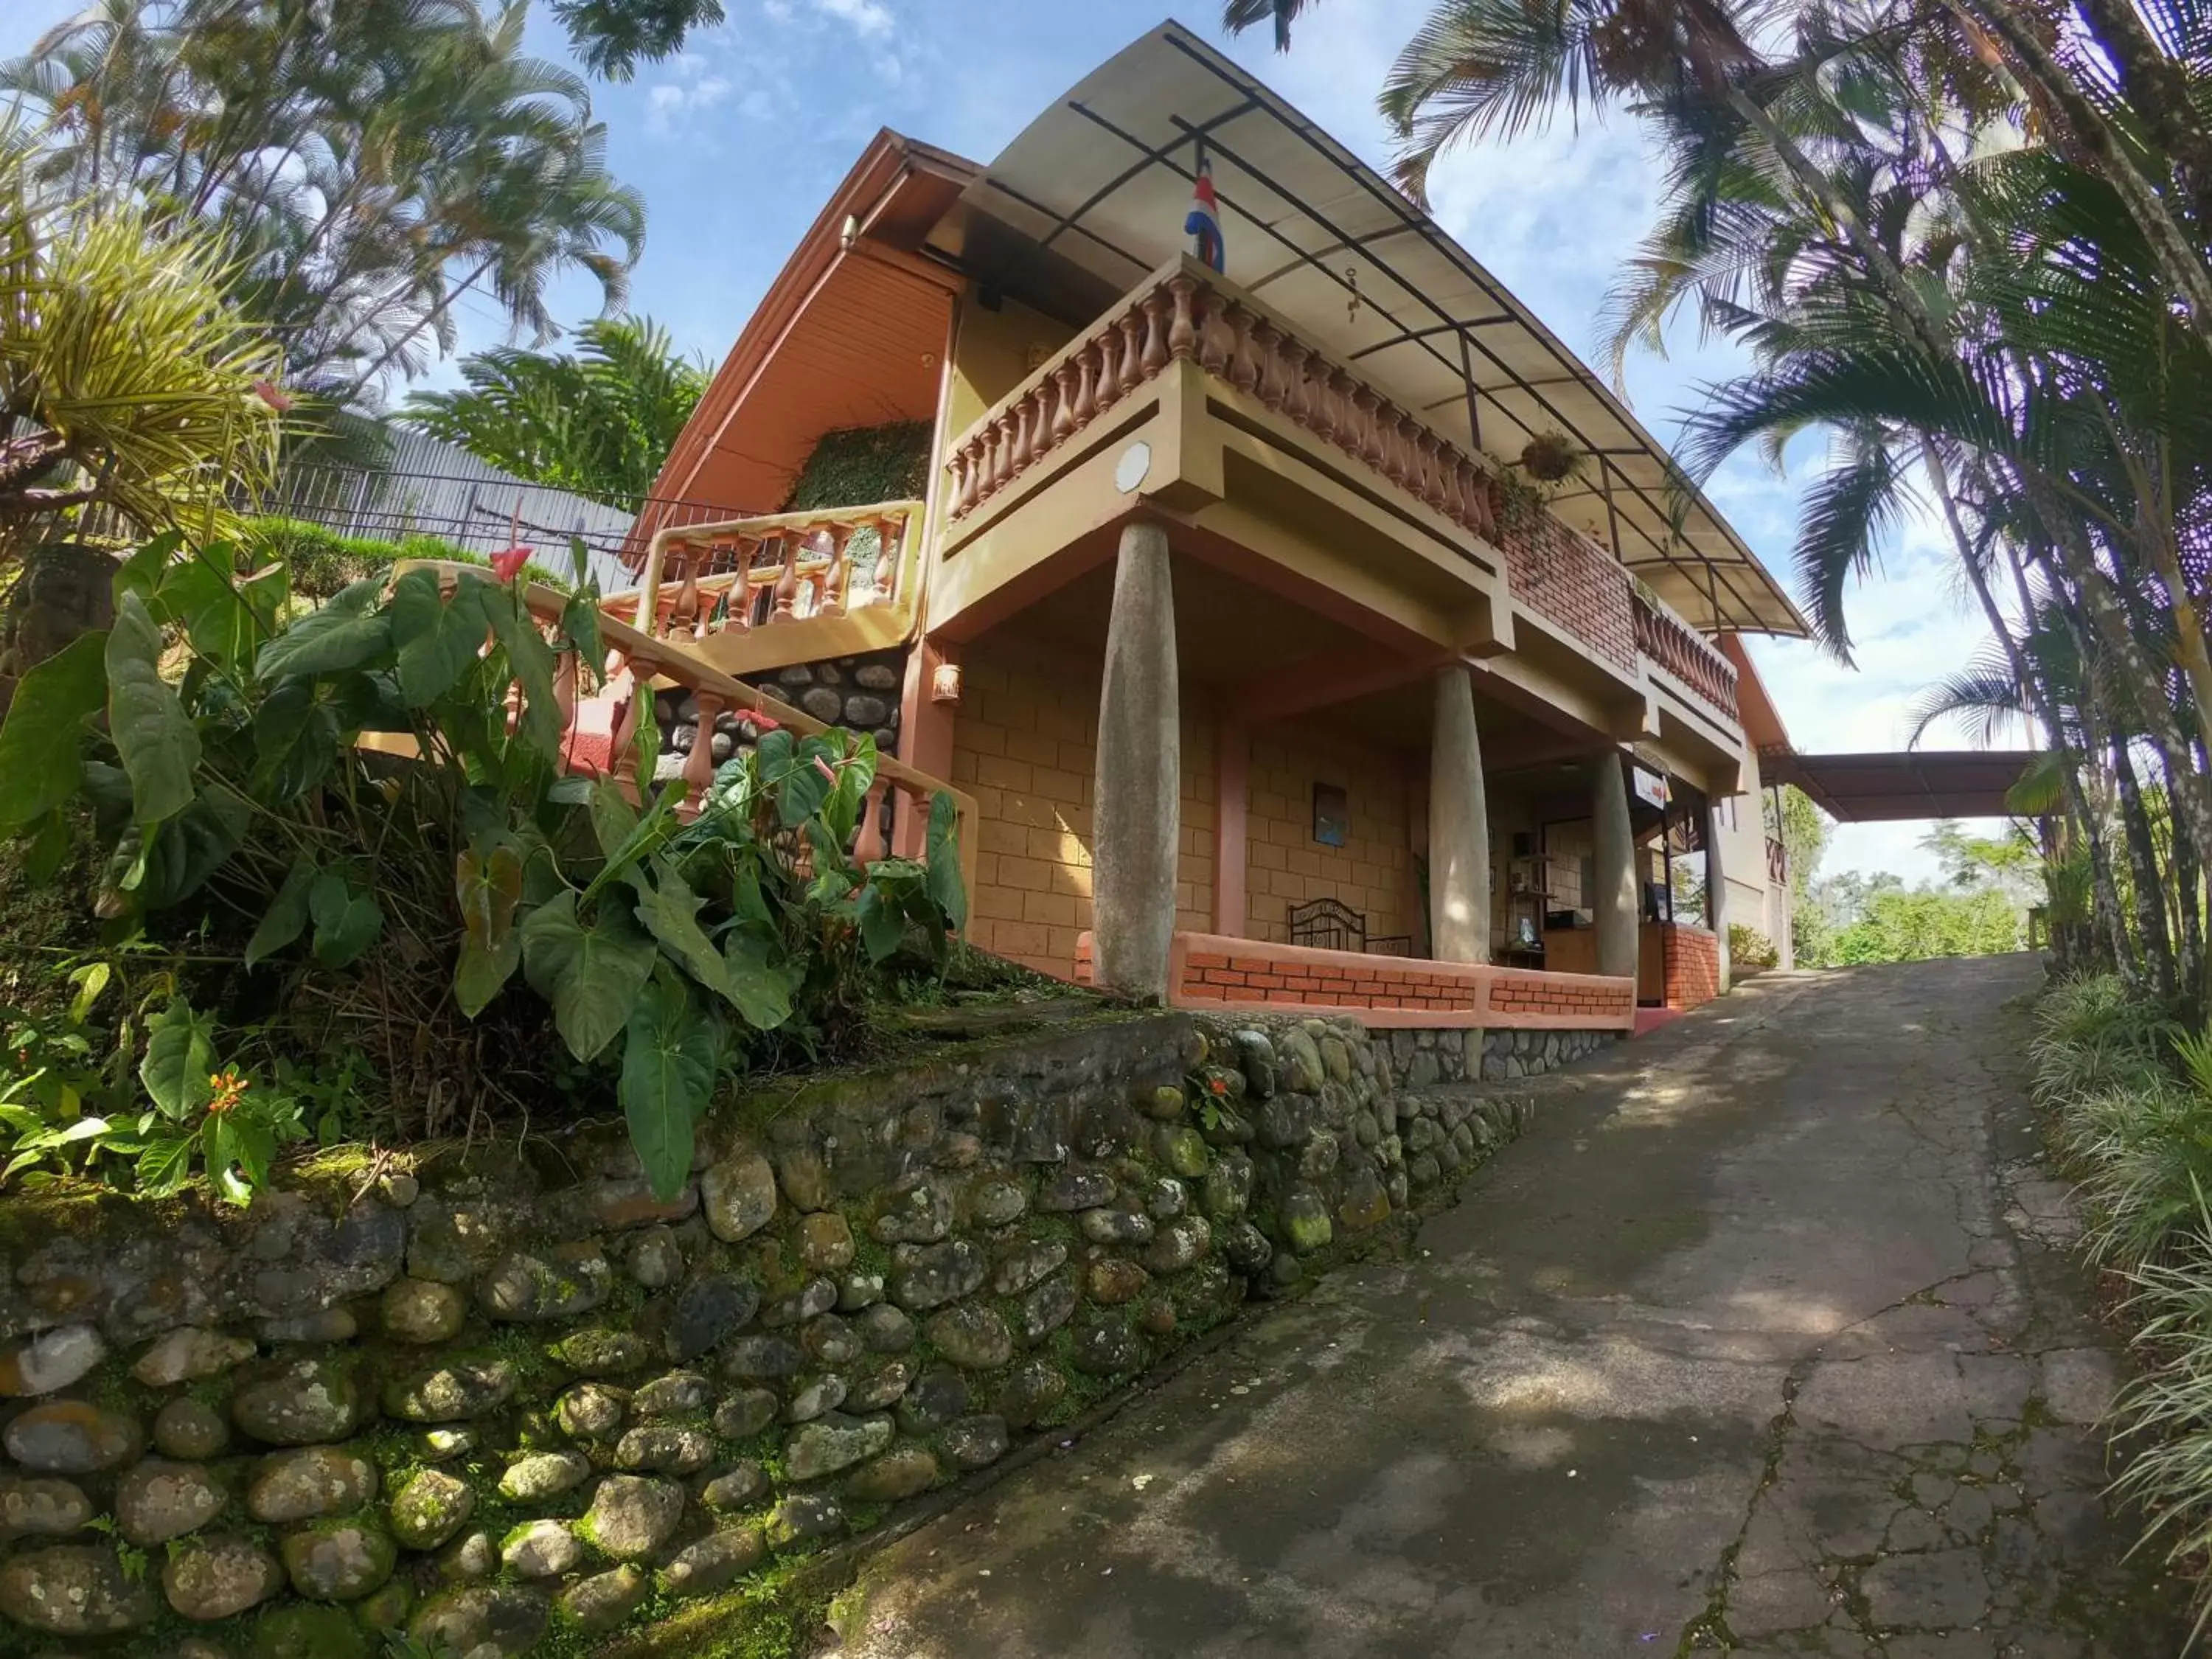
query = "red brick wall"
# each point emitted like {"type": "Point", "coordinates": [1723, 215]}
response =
{"type": "Point", "coordinates": [1209, 970]}
{"type": "Point", "coordinates": [1693, 966]}
{"type": "Point", "coordinates": [1562, 577]}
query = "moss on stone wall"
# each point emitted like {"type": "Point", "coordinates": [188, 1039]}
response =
{"type": "Point", "coordinates": [520, 1400]}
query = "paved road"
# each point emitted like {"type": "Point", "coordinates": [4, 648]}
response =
{"type": "Point", "coordinates": [1761, 1341]}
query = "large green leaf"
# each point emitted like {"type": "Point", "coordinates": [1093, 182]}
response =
{"type": "Point", "coordinates": [670, 910]}
{"type": "Point", "coordinates": [883, 921]}
{"type": "Point", "coordinates": [763, 990]}
{"type": "Point", "coordinates": [42, 743]}
{"type": "Point", "coordinates": [348, 632]}
{"type": "Point", "coordinates": [183, 853]}
{"type": "Point", "coordinates": [437, 639]}
{"type": "Point", "coordinates": [532, 662]}
{"type": "Point", "coordinates": [286, 918]}
{"type": "Point", "coordinates": [155, 738]}
{"type": "Point", "coordinates": [296, 738]}
{"type": "Point", "coordinates": [180, 1060]}
{"type": "Point", "coordinates": [946, 886]}
{"type": "Point", "coordinates": [347, 920]}
{"type": "Point", "coordinates": [669, 1057]}
{"type": "Point", "coordinates": [199, 595]}
{"type": "Point", "coordinates": [165, 1164]}
{"type": "Point", "coordinates": [614, 820]}
{"type": "Point", "coordinates": [591, 974]}
{"type": "Point", "coordinates": [487, 885]}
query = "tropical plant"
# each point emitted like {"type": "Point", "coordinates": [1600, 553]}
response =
{"type": "Point", "coordinates": [399, 900]}
{"type": "Point", "coordinates": [126, 378]}
{"type": "Point", "coordinates": [598, 422]}
{"type": "Point", "coordinates": [1749, 948]}
{"type": "Point", "coordinates": [365, 165]}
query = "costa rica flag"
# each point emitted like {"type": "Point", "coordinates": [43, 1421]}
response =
{"type": "Point", "coordinates": [1204, 220]}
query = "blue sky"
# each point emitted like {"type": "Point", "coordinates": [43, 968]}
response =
{"type": "Point", "coordinates": [737, 144]}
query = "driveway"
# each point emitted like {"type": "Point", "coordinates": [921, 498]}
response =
{"type": "Point", "coordinates": [1762, 1340]}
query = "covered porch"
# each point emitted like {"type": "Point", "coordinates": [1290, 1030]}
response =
{"type": "Point", "coordinates": [1198, 782]}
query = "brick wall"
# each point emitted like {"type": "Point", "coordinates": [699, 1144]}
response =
{"type": "Point", "coordinates": [1025, 743]}
{"type": "Point", "coordinates": [1208, 970]}
{"type": "Point", "coordinates": [1285, 866]}
{"type": "Point", "coordinates": [1693, 966]}
{"type": "Point", "coordinates": [1561, 576]}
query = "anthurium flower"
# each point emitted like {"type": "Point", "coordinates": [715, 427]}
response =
{"type": "Point", "coordinates": [507, 565]}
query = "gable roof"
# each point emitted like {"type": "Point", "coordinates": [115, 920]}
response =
{"type": "Point", "coordinates": [851, 333]}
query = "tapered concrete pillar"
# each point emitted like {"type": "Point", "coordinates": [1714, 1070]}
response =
{"type": "Point", "coordinates": [1717, 890]}
{"type": "Point", "coordinates": [1135, 818]}
{"type": "Point", "coordinates": [1459, 827]}
{"type": "Point", "coordinates": [1613, 899]}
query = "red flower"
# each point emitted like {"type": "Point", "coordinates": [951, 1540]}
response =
{"type": "Point", "coordinates": [825, 768]}
{"type": "Point", "coordinates": [760, 722]}
{"type": "Point", "coordinates": [508, 565]}
{"type": "Point", "coordinates": [271, 394]}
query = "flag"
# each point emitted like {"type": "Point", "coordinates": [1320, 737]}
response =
{"type": "Point", "coordinates": [1204, 220]}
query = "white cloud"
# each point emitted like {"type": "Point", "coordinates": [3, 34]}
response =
{"type": "Point", "coordinates": [870, 19]}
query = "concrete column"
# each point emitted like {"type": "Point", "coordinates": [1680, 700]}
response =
{"type": "Point", "coordinates": [1459, 827]}
{"type": "Point", "coordinates": [1136, 818]}
{"type": "Point", "coordinates": [1614, 902]}
{"type": "Point", "coordinates": [1716, 888]}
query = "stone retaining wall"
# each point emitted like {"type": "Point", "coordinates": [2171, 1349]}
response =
{"type": "Point", "coordinates": [488, 1400]}
{"type": "Point", "coordinates": [860, 693]}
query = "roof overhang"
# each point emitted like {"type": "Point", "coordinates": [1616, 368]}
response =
{"type": "Point", "coordinates": [851, 333]}
{"type": "Point", "coordinates": [1092, 195]}
{"type": "Point", "coordinates": [1959, 783]}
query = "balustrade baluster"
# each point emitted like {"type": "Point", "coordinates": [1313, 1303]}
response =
{"type": "Point", "coordinates": [1267, 341]}
{"type": "Point", "coordinates": [1182, 327]}
{"type": "Point", "coordinates": [1156, 304]}
{"type": "Point", "coordinates": [839, 573]}
{"type": "Point", "coordinates": [868, 839]}
{"type": "Point", "coordinates": [1371, 436]}
{"type": "Point", "coordinates": [1064, 418]}
{"type": "Point", "coordinates": [1133, 349]}
{"type": "Point", "coordinates": [1001, 461]}
{"type": "Point", "coordinates": [963, 482]}
{"type": "Point", "coordinates": [685, 612]}
{"type": "Point", "coordinates": [1107, 345]}
{"type": "Point", "coordinates": [890, 540]}
{"type": "Point", "coordinates": [1243, 357]}
{"type": "Point", "coordinates": [1328, 402]}
{"type": "Point", "coordinates": [699, 764]}
{"type": "Point", "coordinates": [1297, 402]}
{"type": "Point", "coordinates": [630, 691]}
{"type": "Point", "coordinates": [1086, 384]}
{"type": "Point", "coordinates": [1025, 438]}
{"type": "Point", "coordinates": [1214, 339]}
{"type": "Point", "coordinates": [786, 585]}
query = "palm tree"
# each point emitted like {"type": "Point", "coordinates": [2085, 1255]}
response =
{"type": "Point", "coordinates": [369, 163]}
{"type": "Point", "coordinates": [600, 421]}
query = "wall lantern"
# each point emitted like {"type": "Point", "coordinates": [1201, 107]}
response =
{"type": "Point", "coordinates": [945, 682]}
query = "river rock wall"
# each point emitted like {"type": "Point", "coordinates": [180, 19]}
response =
{"type": "Point", "coordinates": [487, 1399]}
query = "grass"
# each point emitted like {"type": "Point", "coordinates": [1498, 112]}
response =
{"type": "Point", "coordinates": [2128, 1093]}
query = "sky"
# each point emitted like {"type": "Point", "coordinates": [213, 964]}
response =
{"type": "Point", "coordinates": [737, 143]}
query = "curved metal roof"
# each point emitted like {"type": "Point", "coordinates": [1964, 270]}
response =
{"type": "Point", "coordinates": [1102, 179]}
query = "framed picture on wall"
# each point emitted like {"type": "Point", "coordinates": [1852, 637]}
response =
{"type": "Point", "coordinates": [1332, 815]}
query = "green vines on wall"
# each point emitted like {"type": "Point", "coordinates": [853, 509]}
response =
{"type": "Point", "coordinates": [860, 464]}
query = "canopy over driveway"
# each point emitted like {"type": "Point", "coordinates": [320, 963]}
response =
{"type": "Point", "coordinates": [1920, 783]}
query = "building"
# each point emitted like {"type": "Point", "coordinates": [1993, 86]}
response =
{"type": "Point", "coordinates": [1229, 597]}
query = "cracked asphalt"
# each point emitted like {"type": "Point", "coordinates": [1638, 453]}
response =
{"type": "Point", "coordinates": [1765, 1340]}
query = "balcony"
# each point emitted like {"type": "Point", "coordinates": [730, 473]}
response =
{"type": "Point", "coordinates": [744, 595]}
{"type": "Point", "coordinates": [1421, 531]}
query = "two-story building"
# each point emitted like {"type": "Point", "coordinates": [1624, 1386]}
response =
{"type": "Point", "coordinates": [1318, 629]}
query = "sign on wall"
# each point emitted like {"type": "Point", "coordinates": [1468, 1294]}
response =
{"type": "Point", "coordinates": [1650, 787]}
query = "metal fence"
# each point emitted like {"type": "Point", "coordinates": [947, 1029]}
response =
{"type": "Point", "coordinates": [432, 489]}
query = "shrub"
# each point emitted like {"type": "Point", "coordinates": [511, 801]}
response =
{"type": "Point", "coordinates": [320, 561]}
{"type": "Point", "coordinates": [440, 910]}
{"type": "Point", "coordinates": [1749, 948]}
